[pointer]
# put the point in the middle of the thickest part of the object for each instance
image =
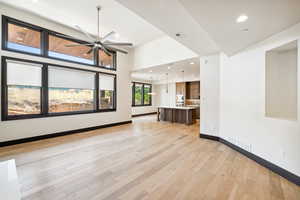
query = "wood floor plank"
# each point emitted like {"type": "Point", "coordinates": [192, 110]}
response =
{"type": "Point", "coordinates": [146, 160]}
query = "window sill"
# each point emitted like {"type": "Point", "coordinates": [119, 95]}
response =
{"type": "Point", "coordinates": [34, 116]}
{"type": "Point", "coordinates": [141, 105]}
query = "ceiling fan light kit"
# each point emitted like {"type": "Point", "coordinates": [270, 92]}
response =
{"type": "Point", "coordinates": [99, 42]}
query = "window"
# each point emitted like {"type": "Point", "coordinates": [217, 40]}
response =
{"type": "Point", "coordinates": [106, 60]}
{"type": "Point", "coordinates": [107, 91]}
{"type": "Point", "coordinates": [141, 94]}
{"type": "Point", "coordinates": [58, 48]}
{"type": "Point", "coordinates": [24, 39]}
{"type": "Point", "coordinates": [70, 90]}
{"type": "Point", "coordinates": [23, 88]}
{"type": "Point", "coordinates": [33, 89]}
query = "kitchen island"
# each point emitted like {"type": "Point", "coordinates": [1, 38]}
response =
{"type": "Point", "coordinates": [178, 114]}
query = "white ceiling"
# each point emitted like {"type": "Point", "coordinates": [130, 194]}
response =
{"type": "Point", "coordinates": [266, 17]}
{"type": "Point", "coordinates": [157, 74]}
{"type": "Point", "coordinates": [206, 26]}
{"type": "Point", "coordinates": [210, 25]}
{"type": "Point", "coordinates": [171, 17]}
{"type": "Point", "coordinates": [113, 16]}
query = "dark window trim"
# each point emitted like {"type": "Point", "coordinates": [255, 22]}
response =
{"type": "Point", "coordinates": [45, 43]}
{"type": "Point", "coordinates": [44, 92]}
{"type": "Point", "coordinates": [133, 94]}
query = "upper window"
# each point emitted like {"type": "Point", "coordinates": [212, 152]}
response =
{"type": "Point", "coordinates": [24, 39]}
{"type": "Point", "coordinates": [106, 60]}
{"type": "Point", "coordinates": [24, 84]}
{"type": "Point", "coordinates": [69, 50]}
{"type": "Point", "coordinates": [70, 90]}
{"type": "Point", "coordinates": [107, 91]}
{"type": "Point", "coordinates": [141, 94]}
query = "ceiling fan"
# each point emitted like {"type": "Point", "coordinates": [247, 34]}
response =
{"type": "Point", "coordinates": [100, 42]}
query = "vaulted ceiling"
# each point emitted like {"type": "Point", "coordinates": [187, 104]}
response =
{"type": "Point", "coordinates": [208, 26]}
{"type": "Point", "coordinates": [113, 16]}
{"type": "Point", "coordinates": [205, 26]}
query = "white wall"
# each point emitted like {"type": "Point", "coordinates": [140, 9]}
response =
{"type": "Point", "coordinates": [11, 130]}
{"type": "Point", "coordinates": [160, 51]}
{"type": "Point", "coordinates": [281, 84]}
{"type": "Point", "coordinates": [210, 94]}
{"type": "Point", "coordinates": [242, 106]}
{"type": "Point", "coordinates": [177, 77]}
{"type": "Point", "coordinates": [138, 110]}
{"type": "Point", "coordinates": [164, 98]}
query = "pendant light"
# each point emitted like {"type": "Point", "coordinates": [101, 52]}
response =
{"type": "Point", "coordinates": [151, 93]}
{"type": "Point", "coordinates": [182, 81]}
{"type": "Point", "coordinates": [167, 89]}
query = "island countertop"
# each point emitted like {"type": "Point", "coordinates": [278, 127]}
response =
{"type": "Point", "coordinates": [179, 107]}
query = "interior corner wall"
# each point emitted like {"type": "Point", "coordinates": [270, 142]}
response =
{"type": "Point", "coordinates": [242, 106]}
{"type": "Point", "coordinates": [17, 129]}
{"type": "Point", "coordinates": [210, 94]}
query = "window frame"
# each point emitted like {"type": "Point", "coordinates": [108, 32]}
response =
{"type": "Point", "coordinates": [45, 43]}
{"type": "Point", "coordinates": [98, 92]}
{"type": "Point", "coordinates": [133, 94]}
{"type": "Point", "coordinates": [45, 92]}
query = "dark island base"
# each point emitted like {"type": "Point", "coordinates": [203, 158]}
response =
{"type": "Point", "coordinates": [184, 116]}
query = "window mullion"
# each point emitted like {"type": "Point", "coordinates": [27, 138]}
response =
{"type": "Point", "coordinates": [45, 91]}
{"type": "Point", "coordinates": [96, 56]}
{"type": "Point", "coordinates": [4, 97]}
{"type": "Point", "coordinates": [133, 98]}
{"type": "Point", "coordinates": [45, 43]}
{"type": "Point", "coordinates": [97, 92]}
{"type": "Point", "coordinates": [143, 103]}
{"type": "Point", "coordinates": [115, 93]}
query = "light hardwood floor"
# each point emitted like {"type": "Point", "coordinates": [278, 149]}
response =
{"type": "Point", "coordinates": [144, 160]}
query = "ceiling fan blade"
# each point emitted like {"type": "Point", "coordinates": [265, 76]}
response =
{"type": "Point", "coordinates": [118, 43]}
{"type": "Point", "coordinates": [91, 38]}
{"type": "Point", "coordinates": [116, 49]}
{"type": "Point", "coordinates": [105, 51]}
{"type": "Point", "coordinates": [107, 36]}
{"type": "Point", "coordinates": [90, 51]}
{"type": "Point", "coordinates": [75, 45]}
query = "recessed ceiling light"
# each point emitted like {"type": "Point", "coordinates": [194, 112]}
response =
{"type": "Point", "coordinates": [192, 63]}
{"type": "Point", "coordinates": [169, 67]}
{"type": "Point", "coordinates": [150, 71]}
{"type": "Point", "coordinates": [242, 18]}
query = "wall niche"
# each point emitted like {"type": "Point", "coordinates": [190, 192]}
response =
{"type": "Point", "coordinates": [281, 82]}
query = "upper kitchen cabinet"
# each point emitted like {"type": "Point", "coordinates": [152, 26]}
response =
{"type": "Point", "coordinates": [193, 90]}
